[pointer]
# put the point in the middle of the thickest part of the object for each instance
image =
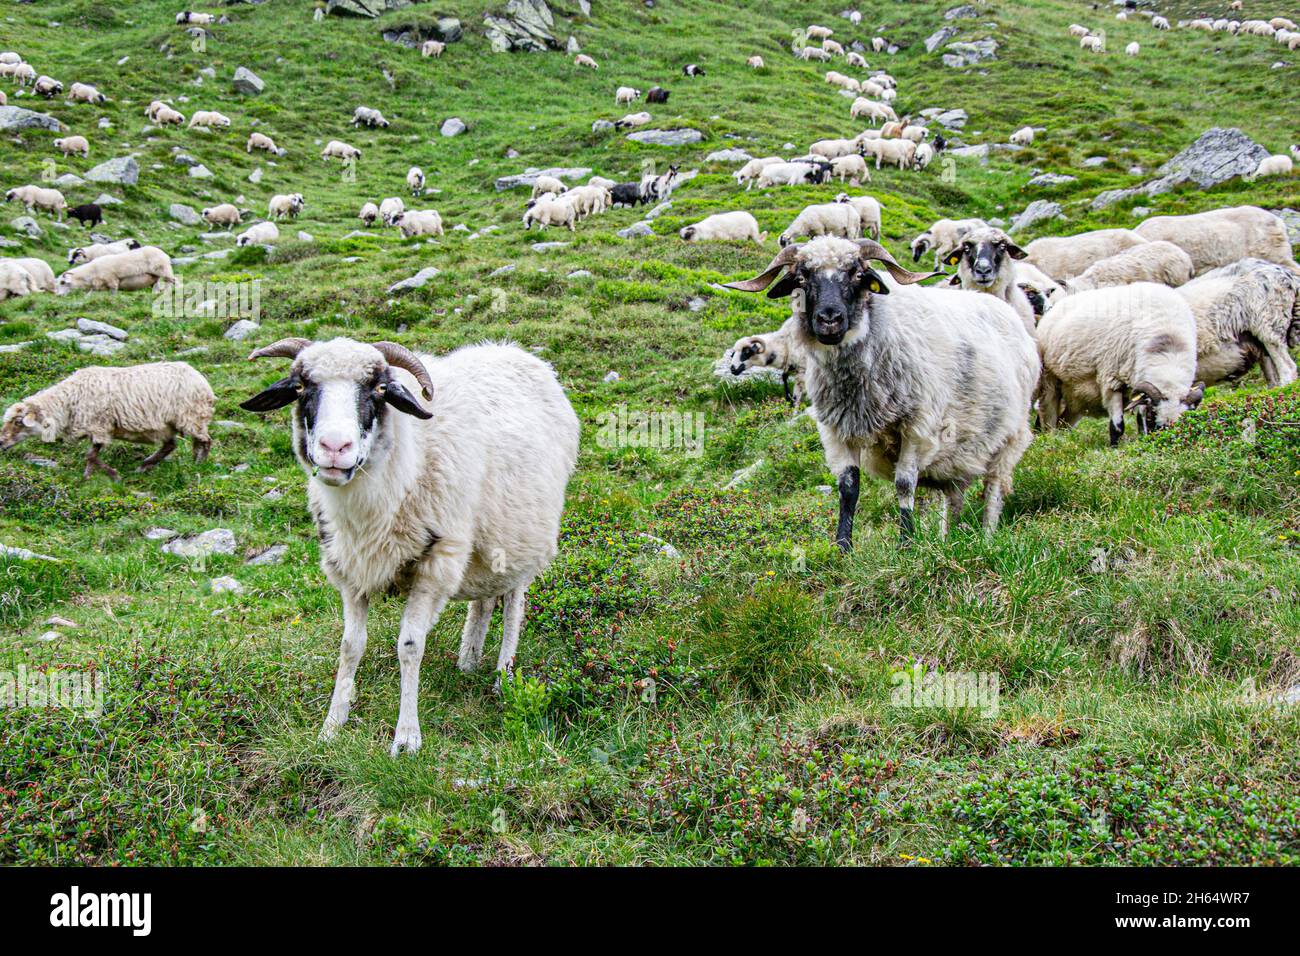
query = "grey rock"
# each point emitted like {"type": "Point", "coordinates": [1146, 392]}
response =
{"type": "Point", "coordinates": [104, 199]}
{"type": "Point", "coordinates": [15, 118]}
{"type": "Point", "coordinates": [200, 172]}
{"type": "Point", "coordinates": [968, 54]}
{"type": "Point", "coordinates": [161, 534]}
{"type": "Point", "coordinates": [122, 171]}
{"type": "Point", "coordinates": [526, 25]}
{"type": "Point", "coordinates": [22, 554]}
{"type": "Point", "coordinates": [40, 462]}
{"type": "Point", "coordinates": [572, 46]}
{"type": "Point", "coordinates": [952, 119]}
{"type": "Point", "coordinates": [659, 210]}
{"type": "Point", "coordinates": [1094, 161]}
{"type": "Point", "coordinates": [1217, 156]}
{"type": "Point", "coordinates": [69, 181]}
{"type": "Point", "coordinates": [663, 547]}
{"type": "Point", "coordinates": [503, 271]}
{"type": "Point", "coordinates": [1051, 179]}
{"type": "Point", "coordinates": [27, 226]}
{"type": "Point", "coordinates": [600, 125]}
{"type": "Point", "coordinates": [585, 7]}
{"type": "Point", "coordinates": [1037, 211]}
{"type": "Point", "coordinates": [304, 236]}
{"type": "Point", "coordinates": [939, 37]}
{"type": "Point", "coordinates": [226, 584]}
{"type": "Point", "coordinates": [579, 274]}
{"type": "Point", "coordinates": [216, 541]}
{"type": "Point", "coordinates": [965, 12]}
{"type": "Point", "coordinates": [255, 176]}
{"type": "Point", "coordinates": [364, 8]}
{"type": "Point", "coordinates": [417, 281]}
{"type": "Point", "coordinates": [611, 377]}
{"type": "Point", "coordinates": [247, 82]}
{"type": "Point", "coordinates": [184, 159]}
{"type": "Point", "coordinates": [272, 555]}
{"type": "Point", "coordinates": [241, 330]}
{"type": "Point", "coordinates": [453, 127]}
{"type": "Point", "coordinates": [1291, 218]}
{"type": "Point", "coordinates": [742, 476]}
{"type": "Point", "coordinates": [666, 137]}
{"type": "Point", "coordinates": [637, 230]}
{"type": "Point", "coordinates": [529, 177]}
{"type": "Point", "coordinates": [91, 327]}
{"type": "Point", "coordinates": [548, 246]}
{"type": "Point", "coordinates": [697, 303]}
{"type": "Point", "coordinates": [184, 214]}
{"type": "Point", "coordinates": [728, 156]}
{"type": "Point", "coordinates": [1140, 212]}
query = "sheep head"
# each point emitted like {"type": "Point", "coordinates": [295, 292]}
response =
{"type": "Point", "coordinates": [831, 282]}
{"type": "Point", "coordinates": [982, 254]}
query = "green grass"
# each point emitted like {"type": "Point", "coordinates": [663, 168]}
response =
{"type": "Point", "coordinates": [727, 703]}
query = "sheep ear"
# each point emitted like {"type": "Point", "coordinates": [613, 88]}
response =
{"type": "Point", "coordinates": [784, 286]}
{"type": "Point", "coordinates": [955, 280]}
{"type": "Point", "coordinates": [875, 285]}
{"type": "Point", "coordinates": [1015, 252]}
{"type": "Point", "coordinates": [282, 393]}
{"type": "Point", "coordinates": [952, 257]}
{"type": "Point", "coordinates": [399, 398]}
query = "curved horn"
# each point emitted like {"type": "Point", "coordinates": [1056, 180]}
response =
{"type": "Point", "coordinates": [870, 249]}
{"type": "Point", "coordinates": [285, 348]}
{"type": "Point", "coordinates": [1149, 390]}
{"type": "Point", "coordinates": [400, 356]}
{"type": "Point", "coordinates": [764, 278]}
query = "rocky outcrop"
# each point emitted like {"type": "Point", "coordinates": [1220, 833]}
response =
{"type": "Point", "coordinates": [968, 54]}
{"type": "Point", "coordinates": [446, 30]}
{"type": "Point", "coordinates": [15, 118]}
{"type": "Point", "coordinates": [666, 137]}
{"type": "Point", "coordinates": [1217, 156]}
{"type": "Point", "coordinates": [529, 176]}
{"type": "Point", "coordinates": [526, 25]}
{"type": "Point", "coordinates": [123, 171]}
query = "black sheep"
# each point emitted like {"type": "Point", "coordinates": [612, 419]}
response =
{"type": "Point", "coordinates": [692, 69]}
{"type": "Point", "coordinates": [88, 214]}
{"type": "Point", "coordinates": [628, 194]}
{"type": "Point", "coordinates": [657, 94]}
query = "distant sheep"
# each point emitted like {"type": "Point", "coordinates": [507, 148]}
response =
{"type": "Point", "coordinates": [548, 211]}
{"type": "Point", "coordinates": [692, 69]}
{"type": "Point", "coordinates": [1023, 136]}
{"type": "Point", "coordinates": [1133, 49]}
{"type": "Point", "coordinates": [141, 268]}
{"type": "Point", "coordinates": [1221, 236]}
{"type": "Point", "coordinates": [263, 142]}
{"type": "Point", "coordinates": [868, 212]}
{"type": "Point", "coordinates": [749, 173]}
{"type": "Point", "coordinates": [853, 58]}
{"type": "Point", "coordinates": [73, 144]}
{"type": "Point", "coordinates": [1093, 43]}
{"type": "Point", "coordinates": [547, 184]}
{"type": "Point", "coordinates": [286, 206]}
{"type": "Point", "coordinates": [336, 149]}
{"type": "Point", "coordinates": [208, 118]}
{"type": "Point", "coordinates": [626, 94]}
{"type": "Point", "coordinates": [432, 48]}
{"type": "Point", "coordinates": [876, 112]}
{"type": "Point", "coordinates": [415, 180]}
{"type": "Point", "coordinates": [38, 197]}
{"type": "Point", "coordinates": [755, 63]}
{"type": "Point", "coordinates": [818, 32]}
{"type": "Point", "coordinates": [365, 116]}
{"type": "Point", "coordinates": [88, 214]}
{"type": "Point", "coordinates": [47, 87]}
{"type": "Point", "coordinates": [632, 119]}
{"type": "Point", "coordinates": [390, 209]}
{"type": "Point", "coordinates": [137, 403]}
{"type": "Point", "coordinates": [852, 168]}
{"type": "Point", "coordinates": [419, 222]}
{"type": "Point", "coordinates": [824, 219]}
{"type": "Point", "coordinates": [264, 233]}
{"type": "Point", "coordinates": [226, 214]}
{"type": "Point", "coordinates": [583, 60]}
{"type": "Point", "coordinates": [1064, 257]}
{"type": "Point", "coordinates": [85, 93]}
{"type": "Point", "coordinates": [1279, 165]}
{"type": "Point", "coordinates": [198, 19]}
{"type": "Point", "coordinates": [901, 152]}
{"type": "Point", "coordinates": [1160, 23]}
{"type": "Point", "coordinates": [90, 253]}
{"type": "Point", "coordinates": [369, 213]}
{"type": "Point", "coordinates": [42, 276]}
{"type": "Point", "coordinates": [1158, 261]}
{"type": "Point", "coordinates": [166, 116]}
{"type": "Point", "coordinates": [735, 226]}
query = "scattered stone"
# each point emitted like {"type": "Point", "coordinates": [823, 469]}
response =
{"type": "Point", "coordinates": [663, 547]}
{"type": "Point", "coordinates": [69, 181]}
{"type": "Point", "coordinates": [965, 12]}
{"type": "Point", "coordinates": [1094, 161]}
{"type": "Point", "coordinates": [27, 226]}
{"type": "Point", "coordinates": [104, 199]}
{"type": "Point", "coordinates": [1051, 179]}
{"type": "Point", "coordinates": [601, 125]}
{"type": "Point", "coordinates": [216, 541]}
{"type": "Point", "coordinates": [1217, 156]}
{"type": "Point", "coordinates": [548, 246]}
{"type": "Point", "coordinates": [14, 119]}
{"type": "Point", "coordinates": [1141, 212]}
{"type": "Point", "coordinates": [742, 476]}
{"type": "Point", "coordinates": [272, 555]}
{"type": "Point", "coordinates": [952, 119]}
{"type": "Point", "coordinates": [579, 274]}
{"type": "Point", "coordinates": [255, 176]}
{"type": "Point", "coordinates": [573, 47]}
{"type": "Point", "coordinates": [728, 156]}
{"type": "Point", "coordinates": [939, 37]}
{"type": "Point", "coordinates": [637, 230]}
{"type": "Point", "coordinates": [200, 172]}
{"type": "Point", "coordinates": [504, 270]}
{"type": "Point", "coordinates": [453, 127]}
{"type": "Point", "coordinates": [529, 176]}
{"type": "Point", "coordinates": [225, 585]}
{"type": "Point", "coordinates": [241, 330]}
{"type": "Point", "coordinates": [304, 236]}
{"type": "Point", "coordinates": [697, 303]}
{"type": "Point", "coordinates": [49, 636]}
{"type": "Point", "coordinates": [416, 281]}
{"type": "Point", "coordinates": [659, 210]}
{"type": "Point", "coordinates": [275, 494]}
{"type": "Point", "coordinates": [56, 621]}
{"type": "Point", "coordinates": [526, 25]}
{"type": "Point", "coordinates": [968, 54]}
{"type": "Point", "coordinates": [1292, 220]}
{"type": "Point", "coordinates": [22, 554]}
{"type": "Point", "coordinates": [666, 137]}
{"type": "Point", "coordinates": [1037, 211]}
{"type": "Point", "coordinates": [161, 534]}
{"type": "Point", "coordinates": [611, 377]}
{"type": "Point", "coordinates": [122, 171]}
{"type": "Point", "coordinates": [91, 327]}
{"type": "Point", "coordinates": [248, 82]}
{"type": "Point", "coordinates": [40, 462]}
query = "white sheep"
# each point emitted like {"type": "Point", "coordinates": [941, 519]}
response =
{"type": "Point", "coordinates": [901, 152]}
{"type": "Point", "coordinates": [1221, 236]}
{"type": "Point", "coordinates": [583, 60]}
{"type": "Point", "coordinates": [549, 211]}
{"type": "Point", "coordinates": [15, 281]}
{"type": "Point", "coordinates": [461, 501]}
{"type": "Point", "coordinates": [1245, 313]}
{"type": "Point", "coordinates": [1279, 165]}
{"type": "Point", "coordinates": [141, 268]}
{"type": "Point", "coordinates": [755, 63]}
{"type": "Point", "coordinates": [366, 116]}
{"type": "Point", "coordinates": [1094, 43]}
{"type": "Point", "coordinates": [1133, 49]}
{"type": "Point", "coordinates": [787, 174]}
{"type": "Point", "coordinates": [92, 252]}
{"type": "Point", "coordinates": [852, 168]}
{"type": "Point", "coordinates": [39, 197]}
{"type": "Point", "coordinates": [854, 58]}
{"type": "Point", "coordinates": [835, 78]}
{"type": "Point", "coordinates": [833, 48]}
{"type": "Point", "coordinates": [432, 48]}
{"type": "Point", "coordinates": [207, 119]}
{"type": "Point", "coordinates": [1160, 23]}
{"type": "Point", "coordinates": [749, 173]}
{"type": "Point", "coordinates": [198, 19]}
{"type": "Point", "coordinates": [598, 181]}
{"type": "Point", "coordinates": [548, 184]}
{"type": "Point", "coordinates": [283, 206]}
{"type": "Point", "coordinates": [224, 214]}
{"type": "Point", "coordinates": [10, 58]}
{"type": "Point", "coordinates": [879, 44]}
{"type": "Point", "coordinates": [632, 119]}
{"type": "Point", "coordinates": [85, 93]}
{"type": "Point", "coordinates": [816, 32]}
{"type": "Point", "coordinates": [925, 387]}
{"type": "Point", "coordinates": [943, 234]}
{"type": "Point", "coordinates": [868, 213]}
{"type": "Point", "coordinates": [336, 149]}
{"type": "Point", "coordinates": [39, 270]}
{"type": "Point", "coordinates": [1158, 261]}
{"type": "Point", "coordinates": [588, 200]}
{"type": "Point", "coordinates": [415, 180]}
{"type": "Point", "coordinates": [262, 234]}
{"type": "Point", "coordinates": [419, 222]}
{"type": "Point", "coordinates": [824, 219]}
{"type": "Point", "coordinates": [812, 53]}
{"type": "Point", "coordinates": [734, 226]}
{"type": "Point", "coordinates": [876, 112]}
{"type": "Point", "coordinates": [263, 142]}
{"type": "Point", "coordinates": [778, 350]}
{"type": "Point", "coordinates": [1023, 136]}
{"type": "Point", "coordinates": [136, 403]}
{"type": "Point", "coordinates": [390, 209]}
{"type": "Point", "coordinates": [1079, 31]}
{"type": "Point", "coordinates": [626, 94]}
{"type": "Point", "coordinates": [73, 144]}
{"type": "Point", "coordinates": [166, 116]}
{"type": "Point", "coordinates": [47, 86]}
{"type": "Point", "coordinates": [924, 156]}
{"type": "Point", "coordinates": [986, 262]}
{"type": "Point", "coordinates": [1064, 257]}
{"type": "Point", "coordinates": [834, 148]}
{"type": "Point", "coordinates": [369, 213]}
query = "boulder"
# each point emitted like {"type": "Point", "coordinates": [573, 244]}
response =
{"type": "Point", "coordinates": [1217, 156]}
{"type": "Point", "coordinates": [453, 127]}
{"type": "Point", "coordinates": [968, 54]}
{"type": "Point", "coordinates": [216, 541]}
{"type": "Point", "coordinates": [14, 119]}
{"type": "Point", "coordinates": [241, 330]}
{"type": "Point", "coordinates": [416, 281]}
{"type": "Point", "coordinates": [184, 214]}
{"type": "Point", "coordinates": [965, 12]}
{"type": "Point", "coordinates": [91, 327]}
{"type": "Point", "coordinates": [1037, 211]}
{"type": "Point", "coordinates": [248, 82]}
{"type": "Point", "coordinates": [446, 30]}
{"type": "Point", "coordinates": [526, 25]}
{"type": "Point", "coordinates": [939, 37]}
{"type": "Point", "coordinates": [637, 230]}
{"type": "Point", "coordinates": [728, 156]}
{"type": "Point", "coordinates": [529, 177]}
{"type": "Point", "coordinates": [1051, 179]}
{"type": "Point", "coordinates": [122, 171]}
{"type": "Point", "coordinates": [666, 137]}
{"type": "Point", "coordinates": [364, 8]}
{"type": "Point", "coordinates": [27, 226]}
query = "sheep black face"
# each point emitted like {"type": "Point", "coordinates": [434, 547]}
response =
{"type": "Point", "coordinates": [1153, 410]}
{"type": "Point", "coordinates": [984, 253]}
{"type": "Point", "coordinates": [342, 391]}
{"type": "Point", "coordinates": [830, 281]}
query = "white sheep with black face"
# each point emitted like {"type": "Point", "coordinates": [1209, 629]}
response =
{"type": "Point", "coordinates": [415, 180]}
{"type": "Point", "coordinates": [454, 498]}
{"type": "Point", "coordinates": [928, 387]}
{"type": "Point", "coordinates": [778, 350]}
{"type": "Point", "coordinates": [943, 235]}
{"type": "Point", "coordinates": [986, 262]}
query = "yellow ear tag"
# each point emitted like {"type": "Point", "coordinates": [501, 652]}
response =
{"type": "Point", "coordinates": [954, 258]}
{"type": "Point", "coordinates": [875, 286]}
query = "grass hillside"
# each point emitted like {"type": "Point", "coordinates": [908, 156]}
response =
{"type": "Point", "coordinates": [730, 700]}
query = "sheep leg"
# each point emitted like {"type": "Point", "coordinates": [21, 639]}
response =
{"type": "Point", "coordinates": [785, 385]}
{"type": "Point", "coordinates": [1284, 367]}
{"type": "Point", "coordinates": [421, 613]}
{"type": "Point", "coordinates": [1114, 402]}
{"type": "Point", "coordinates": [477, 618]}
{"type": "Point", "coordinates": [512, 616]}
{"type": "Point", "coordinates": [202, 446]}
{"type": "Point", "coordinates": [355, 609]}
{"type": "Point", "coordinates": [163, 451]}
{"type": "Point", "coordinates": [955, 497]}
{"type": "Point", "coordinates": [848, 484]}
{"type": "Point", "coordinates": [906, 474]}
{"type": "Point", "coordinates": [93, 462]}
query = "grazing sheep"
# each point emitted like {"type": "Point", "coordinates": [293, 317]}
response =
{"type": "Point", "coordinates": [547, 184]}
{"type": "Point", "coordinates": [549, 211]}
{"type": "Point", "coordinates": [1064, 257]}
{"type": "Point", "coordinates": [138, 403]}
{"type": "Point", "coordinates": [868, 212]}
{"type": "Point", "coordinates": [916, 134]}
{"type": "Point", "coordinates": [835, 78]}
{"type": "Point", "coordinates": [10, 58]}
{"type": "Point", "coordinates": [369, 213]}
{"type": "Point", "coordinates": [632, 119]}
{"type": "Point", "coordinates": [901, 152]}
{"type": "Point", "coordinates": [37, 197]}
{"type": "Point", "coordinates": [943, 235]}
{"type": "Point", "coordinates": [1278, 165]}
{"type": "Point", "coordinates": [1158, 261]}
{"type": "Point", "coordinates": [419, 222]}
{"type": "Point", "coordinates": [90, 253]}
{"type": "Point", "coordinates": [42, 276]}
{"type": "Point", "coordinates": [736, 226]}
{"type": "Point", "coordinates": [748, 174]}
{"type": "Point", "coordinates": [1078, 31]}
{"type": "Point", "coordinates": [985, 261]}
{"type": "Point", "coordinates": [626, 94]}
{"type": "Point", "coordinates": [778, 350]}
{"type": "Point", "coordinates": [1109, 350]}
{"type": "Point", "coordinates": [263, 142]}
{"type": "Point", "coordinates": [1133, 49]}
{"type": "Point", "coordinates": [812, 53]}
{"type": "Point", "coordinates": [365, 116]}
{"type": "Point", "coordinates": [226, 214]}
{"type": "Point", "coordinates": [1160, 23]}
{"type": "Point", "coordinates": [336, 149]}
{"type": "Point", "coordinates": [925, 154]}
{"type": "Point", "coordinates": [24, 73]}
{"type": "Point", "coordinates": [432, 48]}
{"type": "Point", "coordinates": [589, 199]}
{"type": "Point", "coordinates": [692, 69]}
{"type": "Point", "coordinates": [927, 387]}
{"type": "Point", "coordinates": [879, 44]}
{"type": "Point", "coordinates": [1222, 236]}
{"type": "Point", "coordinates": [166, 116]}
{"type": "Point", "coordinates": [208, 119]}
{"type": "Point", "coordinates": [583, 60]}
{"type": "Point", "coordinates": [1023, 136]}
{"type": "Point", "coordinates": [834, 148]}
{"type": "Point", "coordinates": [283, 206]}
{"type": "Point", "coordinates": [1039, 288]}
{"type": "Point", "coordinates": [461, 501]}
{"type": "Point", "coordinates": [47, 87]}
{"type": "Point", "coordinates": [657, 94]}
{"type": "Point", "coordinates": [816, 32]}
{"type": "Point", "coordinates": [853, 58]}
{"type": "Point", "coordinates": [1295, 151]}
{"type": "Point", "coordinates": [198, 19]}
{"type": "Point", "coordinates": [4, 100]}
{"type": "Point", "coordinates": [73, 144]}
{"type": "Point", "coordinates": [1249, 316]}
{"type": "Point", "coordinates": [833, 48]}
{"type": "Point", "coordinates": [415, 180]}
{"type": "Point", "coordinates": [390, 209]}
{"type": "Point", "coordinates": [88, 214]}
{"type": "Point", "coordinates": [1093, 43]}
{"type": "Point", "coordinates": [755, 63]}
{"type": "Point", "coordinates": [790, 174]}
{"type": "Point", "coordinates": [599, 181]}
{"type": "Point", "coordinates": [262, 234]}
{"type": "Point", "coordinates": [141, 268]}
{"type": "Point", "coordinates": [825, 219]}
{"type": "Point", "coordinates": [85, 93]}
{"type": "Point", "coordinates": [876, 112]}
{"type": "Point", "coordinates": [15, 281]}
{"type": "Point", "coordinates": [852, 168]}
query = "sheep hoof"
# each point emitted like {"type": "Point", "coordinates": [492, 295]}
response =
{"type": "Point", "coordinates": [407, 739]}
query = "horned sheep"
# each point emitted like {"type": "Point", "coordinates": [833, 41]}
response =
{"type": "Point", "coordinates": [778, 350]}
